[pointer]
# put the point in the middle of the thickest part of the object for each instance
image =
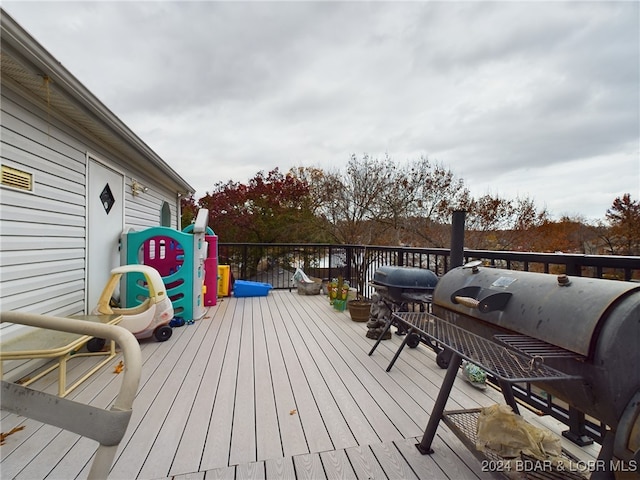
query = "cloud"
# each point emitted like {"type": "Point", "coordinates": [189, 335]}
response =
{"type": "Point", "coordinates": [521, 98]}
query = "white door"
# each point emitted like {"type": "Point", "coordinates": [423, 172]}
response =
{"type": "Point", "coordinates": [105, 222]}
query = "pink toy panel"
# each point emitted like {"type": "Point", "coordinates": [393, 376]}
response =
{"type": "Point", "coordinates": [164, 254]}
{"type": "Point", "coordinates": [211, 271]}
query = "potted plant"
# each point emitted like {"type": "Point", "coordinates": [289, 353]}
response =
{"type": "Point", "coordinates": [338, 292]}
{"type": "Point", "coordinates": [360, 307]}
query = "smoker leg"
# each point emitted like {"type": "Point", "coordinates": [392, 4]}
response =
{"type": "Point", "coordinates": [577, 433]}
{"type": "Point", "coordinates": [603, 472]}
{"type": "Point", "coordinates": [438, 408]}
{"type": "Point", "coordinates": [401, 328]}
{"type": "Point", "coordinates": [386, 329]}
{"type": "Point", "coordinates": [507, 393]}
{"type": "Point", "coordinates": [404, 342]}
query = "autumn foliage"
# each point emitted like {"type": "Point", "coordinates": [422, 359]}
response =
{"type": "Point", "coordinates": [380, 202]}
{"type": "Point", "coordinates": [269, 208]}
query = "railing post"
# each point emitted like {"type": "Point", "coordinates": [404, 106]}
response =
{"type": "Point", "coordinates": [245, 259]}
{"type": "Point", "coordinates": [573, 268]}
{"type": "Point", "coordinates": [349, 261]}
{"type": "Point", "coordinates": [330, 257]}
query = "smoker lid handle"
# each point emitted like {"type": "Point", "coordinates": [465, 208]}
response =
{"type": "Point", "coordinates": [467, 301]}
{"type": "Point", "coordinates": [484, 301]}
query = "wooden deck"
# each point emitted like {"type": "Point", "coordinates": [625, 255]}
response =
{"type": "Point", "coordinates": [265, 388]}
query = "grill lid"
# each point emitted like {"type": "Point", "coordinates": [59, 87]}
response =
{"type": "Point", "coordinates": [405, 277]}
{"type": "Point", "coordinates": [560, 310]}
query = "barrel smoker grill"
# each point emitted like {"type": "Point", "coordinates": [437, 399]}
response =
{"type": "Point", "coordinates": [584, 327]}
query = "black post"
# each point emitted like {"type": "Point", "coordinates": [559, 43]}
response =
{"type": "Point", "coordinates": [457, 239]}
{"type": "Point", "coordinates": [245, 260]}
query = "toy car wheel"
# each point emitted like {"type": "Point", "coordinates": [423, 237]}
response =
{"type": "Point", "coordinates": [96, 344]}
{"type": "Point", "coordinates": [163, 333]}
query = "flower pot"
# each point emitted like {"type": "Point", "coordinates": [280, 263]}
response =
{"type": "Point", "coordinates": [339, 305]}
{"type": "Point", "coordinates": [359, 310]}
{"type": "Point", "coordinates": [309, 288]}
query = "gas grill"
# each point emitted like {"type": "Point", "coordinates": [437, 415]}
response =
{"type": "Point", "coordinates": [398, 287]}
{"type": "Point", "coordinates": [401, 285]}
{"type": "Point", "coordinates": [577, 338]}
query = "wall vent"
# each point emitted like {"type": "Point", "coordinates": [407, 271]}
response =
{"type": "Point", "coordinates": [14, 178]}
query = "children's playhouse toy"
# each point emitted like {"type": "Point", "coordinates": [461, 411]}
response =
{"type": "Point", "coordinates": [211, 274]}
{"type": "Point", "coordinates": [178, 257]}
{"type": "Point", "coordinates": [152, 316]}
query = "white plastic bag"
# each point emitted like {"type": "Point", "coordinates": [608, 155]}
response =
{"type": "Point", "coordinates": [300, 277]}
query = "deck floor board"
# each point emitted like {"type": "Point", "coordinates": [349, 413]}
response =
{"type": "Point", "coordinates": [275, 387]}
{"type": "Point", "coordinates": [292, 438]}
{"type": "Point", "coordinates": [268, 443]}
{"type": "Point", "coordinates": [211, 358]}
{"type": "Point", "coordinates": [316, 435]}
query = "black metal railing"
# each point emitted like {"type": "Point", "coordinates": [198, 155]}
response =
{"type": "Point", "coordinates": [276, 264]}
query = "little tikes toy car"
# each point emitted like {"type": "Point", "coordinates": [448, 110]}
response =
{"type": "Point", "coordinates": [151, 317]}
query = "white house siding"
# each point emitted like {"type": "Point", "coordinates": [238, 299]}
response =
{"type": "Point", "coordinates": [43, 232]}
{"type": "Point", "coordinates": [145, 210]}
{"type": "Point", "coordinates": [42, 248]}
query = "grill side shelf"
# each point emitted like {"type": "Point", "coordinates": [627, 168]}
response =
{"type": "Point", "coordinates": [502, 362]}
{"type": "Point", "coordinates": [464, 423]}
{"type": "Point", "coordinates": [505, 362]}
{"type": "Point", "coordinates": [517, 359]}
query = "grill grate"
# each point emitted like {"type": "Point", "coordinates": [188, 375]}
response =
{"type": "Point", "coordinates": [534, 347]}
{"type": "Point", "coordinates": [502, 362]}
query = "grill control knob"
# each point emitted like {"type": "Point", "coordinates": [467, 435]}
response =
{"type": "Point", "coordinates": [564, 280]}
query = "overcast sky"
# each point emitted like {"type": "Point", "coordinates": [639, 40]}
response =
{"type": "Point", "coordinates": [528, 99]}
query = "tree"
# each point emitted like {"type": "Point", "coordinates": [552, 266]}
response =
{"type": "Point", "coordinates": [568, 235]}
{"type": "Point", "coordinates": [322, 187]}
{"type": "Point", "coordinates": [624, 219]}
{"type": "Point", "coordinates": [351, 198]}
{"type": "Point", "coordinates": [433, 194]}
{"type": "Point", "coordinates": [500, 224]}
{"type": "Point", "coordinates": [486, 216]}
{"type": "Point", "coordinates": [380, 201]}
{"type": "Point", "coordinates": [189, 210]}
{"type": "Point", "coordinates": [270, 208]}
